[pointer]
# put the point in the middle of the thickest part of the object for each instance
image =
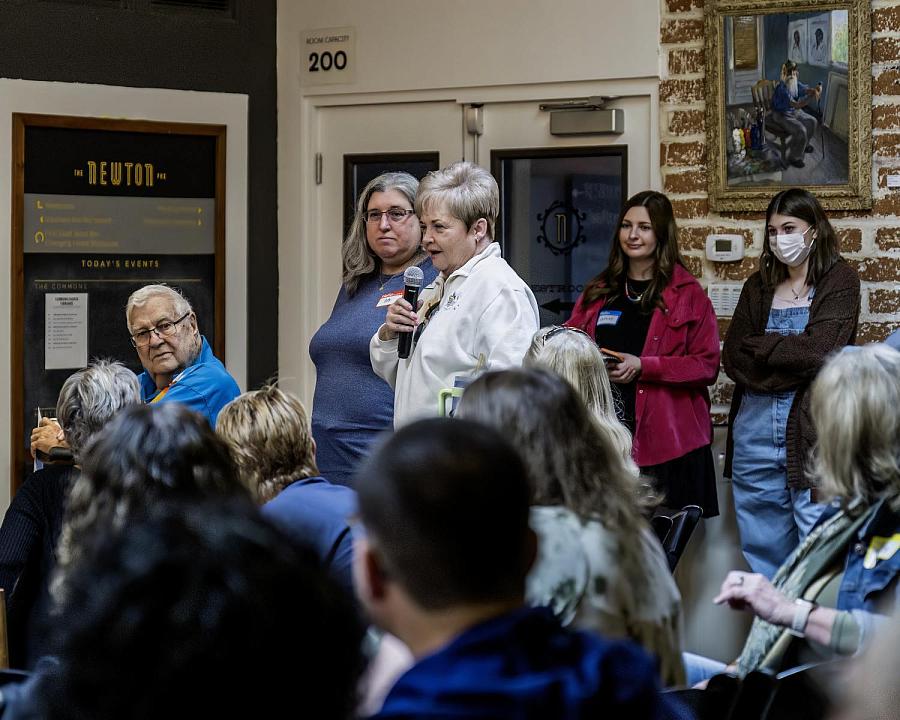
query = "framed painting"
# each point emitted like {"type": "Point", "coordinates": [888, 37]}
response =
{"type": "Point", "coordinates": [789, 98]}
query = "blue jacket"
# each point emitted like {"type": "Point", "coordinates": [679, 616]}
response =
{"type": "Point", "coordinates": [204, 386]}
{"type": "Point", "coordinates": [781, 99]}
{"type": "Point", "coordinates": [314, 512]}
{"type": "Point", "coordinates": [524, 665]}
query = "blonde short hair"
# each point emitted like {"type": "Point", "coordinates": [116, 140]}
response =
{"type": "Point", "coordinates": [268, 433]}
{"type": "Point", "coordinates": [855, 406]}
{"type": "Point", "coordinates": [465, 190]}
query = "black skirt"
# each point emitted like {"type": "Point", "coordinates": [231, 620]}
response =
{"type": "Point", "coordinates": [687, 480]}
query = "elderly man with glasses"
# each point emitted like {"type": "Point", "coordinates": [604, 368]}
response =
{"type": "Point", "coordinates": [179, 365]}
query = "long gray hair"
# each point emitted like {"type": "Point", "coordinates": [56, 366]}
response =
{"type": "Point", "coordinates": [359, 260]}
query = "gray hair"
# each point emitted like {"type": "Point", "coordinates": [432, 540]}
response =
{"type": "Point", "coordinates": [855, 407]}
{"type": "Point", "coordinates": [574, 355]}
{"type": "Point", "coordinates": [359, 260]}
{"type": "Point", "coordinates": [91, 397]}
{"type": "Point", "coordinates": [143, 295]}
{"type": "Point", "coordinates": [466, 190]}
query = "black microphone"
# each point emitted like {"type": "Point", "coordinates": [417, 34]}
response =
{"type": "Point", "coordinates": [412, 280]}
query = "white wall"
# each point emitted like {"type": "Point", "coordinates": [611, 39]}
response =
{"type": "Point", "coordinates": [464, 51]}
{"type": "Point", "coordinates": [147, 104]}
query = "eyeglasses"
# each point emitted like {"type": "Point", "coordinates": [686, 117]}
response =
{"type": "Point", "coordinates": [165, 329]}
{"type": "Point", "coordinates": [395, 214]}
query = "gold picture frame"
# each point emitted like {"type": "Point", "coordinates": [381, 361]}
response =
{"type": "Point", "coordinates": [769, 128]}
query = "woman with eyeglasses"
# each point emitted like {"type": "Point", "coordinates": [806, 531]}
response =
{"type": "Point", "coordinates": [478, 315]}
{"type": "Point", "coordinates": [351, 404]}
{"type": "Point", "coordinates": [799, 307]}
{"type": "Point", "coordinates": [648, 309]}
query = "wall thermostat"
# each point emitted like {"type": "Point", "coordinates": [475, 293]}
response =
{"type": "Point", "coordinates": [724, 248]}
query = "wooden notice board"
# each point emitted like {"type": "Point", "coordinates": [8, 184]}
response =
{"type": "Point", "coordinates": [102, 207]}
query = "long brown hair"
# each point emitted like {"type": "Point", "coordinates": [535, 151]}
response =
{"type": "Point", "coordinates": [801, 204]}
{"type": "Point", "coordinates": [611, 281]}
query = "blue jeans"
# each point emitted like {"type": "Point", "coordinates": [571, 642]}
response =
{"type": "Point", "coordinates": [698, 668]}
{"type": "Point", "coordinates": [772, 518]}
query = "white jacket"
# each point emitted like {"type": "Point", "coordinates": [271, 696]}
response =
{"type": "Point", "coordinates": [485, 321]}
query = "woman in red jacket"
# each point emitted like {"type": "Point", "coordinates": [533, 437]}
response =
{"type": "Point", "coordinates": [648, 308]}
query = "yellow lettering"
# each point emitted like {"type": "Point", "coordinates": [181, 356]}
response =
{"type": "Point", "coordinates": [138, 174]}
{"type": "Point", "coordinates": [128, 167]}
{"type": "Point", "coordinates": [115, 173]}
{"type": "Point", "coordinates": [149, 173]}
{"type": "Point", "coordinates": [103, 172]}
{"type": "Point", "coordinates": [92, 172]}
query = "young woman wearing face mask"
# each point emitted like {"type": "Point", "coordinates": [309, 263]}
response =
{"type": "Point", "coordinates": [799, 307]}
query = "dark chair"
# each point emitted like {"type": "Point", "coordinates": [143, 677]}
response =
{"type": "Point", "coordinates": [681, 525]}
{"type": "Point", "coordinates": [714, 703]}
{"type": "Point", "coordinates": [762, 92]}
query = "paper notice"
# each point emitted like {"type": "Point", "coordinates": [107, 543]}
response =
{"type": "Point", "coordinates": [66, 330]}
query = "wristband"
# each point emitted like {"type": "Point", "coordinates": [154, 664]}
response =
{"type": "Point", "coordinates": [802, 609]}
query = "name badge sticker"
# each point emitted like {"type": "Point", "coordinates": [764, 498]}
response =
{"type": "Point", "coordinates": [608, 317]}
{"type": "Point", "coordinates": [388, 298]}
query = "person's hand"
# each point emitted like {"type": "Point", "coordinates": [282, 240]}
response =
{"type": "Point", "coordinates": [48, 434]}
{"type": "Point", "coordinates": [754, 592]}
{"type": "Point", "coordinates": [400, 319]}
{"type": "Point", "coordinates": [626, 371]}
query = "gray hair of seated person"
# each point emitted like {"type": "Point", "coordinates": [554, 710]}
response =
{"type": "Point", "coordinates": [855, 407]}
{"type": "Point", "coordinates": [576, 357]}
{"type": "Point", "coordinates": [91, 397]}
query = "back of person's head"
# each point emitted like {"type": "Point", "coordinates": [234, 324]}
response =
{"type": "Point", "coordinates": [268, 433]}
{"type": "Point", "coordinates": [572, 354]}
{"type": "Point", "coordinates": [203, 610]}
{"type": "Point", "coordinates": [855, 407]}
{"type": "Point", "coordinates": [89, 398]}
{"type": "Point", "coordinates": [465, 190]}
{"type": "Point", "coordinates": [571, 460]}
{"type": "Point", "coordinates": [445, 504]}
{"type": "Point", "coordinates": [147, 454]}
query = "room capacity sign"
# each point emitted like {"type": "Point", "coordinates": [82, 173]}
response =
{"type": "Point", "coordinates": [327, 56]}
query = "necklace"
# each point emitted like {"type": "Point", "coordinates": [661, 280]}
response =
{"type": "Point", "coordinates": [632, 296]}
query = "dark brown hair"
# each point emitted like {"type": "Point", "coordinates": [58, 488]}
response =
{"type": "Point", "coordinates": [611, 281]}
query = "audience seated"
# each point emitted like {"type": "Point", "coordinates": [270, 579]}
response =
{"type": "Point", "coordinates": [88, 400]}
{"type": "Point", "coordinates": [835, 588]}
{"type": "Point", "coordinates": [599, 561]}
{"type": "Point", "coordinates": [574, 355]}
{"type": "Point", "coordinates": [269, 436]}
{"type": "Point", "coordinates": [441, 560]}
{"type": "Point", "coordinates": [200, 610]}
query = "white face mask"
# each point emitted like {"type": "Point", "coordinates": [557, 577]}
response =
{"type": "Point", "coordinates": [791, 249]}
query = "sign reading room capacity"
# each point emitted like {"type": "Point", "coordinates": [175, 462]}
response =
{"type": "Point", "coordinates": [327, 56]}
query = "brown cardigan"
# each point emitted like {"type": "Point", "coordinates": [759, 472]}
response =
{"type": "Point", "coordinates": [773, 363]}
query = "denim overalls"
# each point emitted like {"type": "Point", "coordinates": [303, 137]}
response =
{"type": "Point", "coordinates": [771, 517]}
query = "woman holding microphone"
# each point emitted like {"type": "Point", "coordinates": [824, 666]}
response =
{"type": "Point", "coordinates": [478, 314]}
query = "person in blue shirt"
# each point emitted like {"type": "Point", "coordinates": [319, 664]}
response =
{"type": "Point", "coordinates": [788, 101]}
{"type": "Point", "coordinates": [268, 433]}
{"type": "Point", "coordinates": [179, 365]}
{"type": "Point", "coordinates": [440, 560]}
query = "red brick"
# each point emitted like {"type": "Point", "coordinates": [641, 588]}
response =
{"type": "Point", "coordinates": [694, 238]}
{"type": "Point", "coordinates": [694, 265]}
{"type": "Point", "coordinates": [683, 5]}
{"type": "Point", "coordinates": [889, 205]}
{"type": "Point", "coordinates": [736, 271]}
{"type": "Point", "coordinates": [682, 154]}
{"type": "Point", "coordinates": [887, 238]}
{"type": "Point", "coordinates": [719, 419]}
{"type": "Point", "coordinates": [886, 144]}
{"type": "Point", "coordinates": [682, 62]}
{"type": "Point", "coordinates": [885, 117]}
{"type": "Point", "coordinates": [887, 82]}
{"type": "Point", "coordinates": [681, 31]}
{"type": "Point", "coordinates": [721, 392]}
{"type": "Point", "coordinates": [681, 91]}
{"type": "Point", "coordinates": [877, 269]}
{"type": "Point", "coordinates": [884, 301]}
{"type": "Point", "coordinates": [687, 122]}
{"type": "Point", "coordinates": [885, 49]}
{"type": "Point", "coordinates": [883, 172]}
{"type": "Point", "coordinates": [690, 209]}
{"type": "Point", "coordinates": [874, 331]}
{"type": "Point", "coordinates": [849, 239]}
{"type": "Point", "coordinates": [724, 323]}
{"type": "Point", "coordinates": [886, 19]}
{"type": "Point", "coordinates": [692, 181]}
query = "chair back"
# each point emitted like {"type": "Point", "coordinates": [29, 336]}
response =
{"type": "Point", "coordinates": [681, 526]}
{"type": "Point", "coordinates": [762, 91]}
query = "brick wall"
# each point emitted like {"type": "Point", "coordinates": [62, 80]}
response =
{"type": "Point", "coordinates": [869, 240]}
